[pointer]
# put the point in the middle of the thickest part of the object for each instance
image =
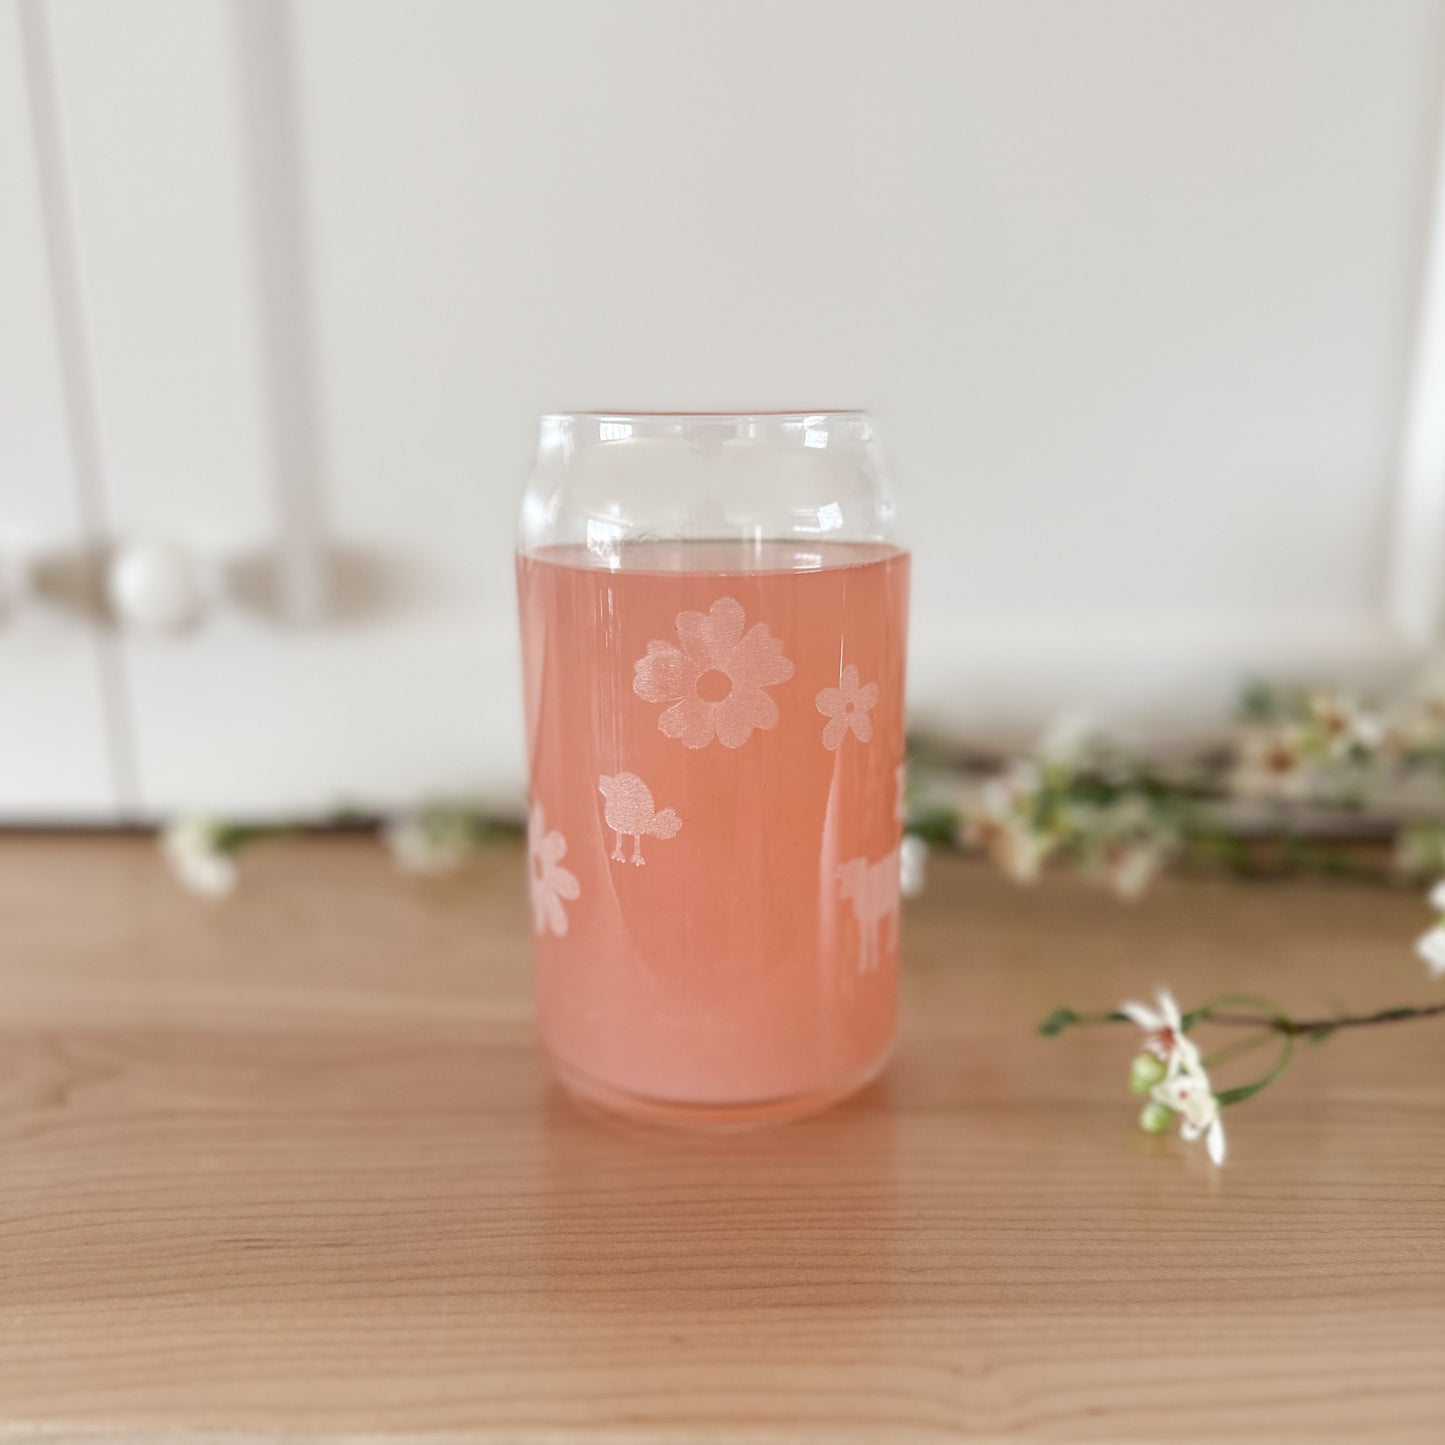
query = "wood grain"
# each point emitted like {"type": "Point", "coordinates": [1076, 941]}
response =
{"type": "Point", "coordinates": [290, 1166]}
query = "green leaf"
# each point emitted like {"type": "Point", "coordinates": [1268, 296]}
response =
{"type": "Point", "coordinates": [1057, 1022]}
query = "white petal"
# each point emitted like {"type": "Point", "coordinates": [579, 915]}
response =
{"type": "Point", "coordinates": [1437, 896]}
{"type": "Point", "coordinates": [1431, 947]}
{"type": "Point", "coordinates": [1184, 1058]}
{"type": "Point", "coordinates": [1132, 874]}
{"type": "Point", "coordinates": [1142, 1015]}
{"type": "Point", "coordinates": [212, 875]}
{"type": "Point", "coordinates": [1169, 1010]}
{"type": "Point", "coordinates": [912, 865]}
{"type": "Point", "coordinates": [1214, 1141]}
{"type": "Point", "coordinates": [1188, 1094]}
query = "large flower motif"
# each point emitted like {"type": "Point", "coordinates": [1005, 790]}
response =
{"type": "Point", "coordinates": [715, 681]}
{"type": "Point", "coordinates": [847, 706]}
{"type": "Point", "coordinates": [550, 881]}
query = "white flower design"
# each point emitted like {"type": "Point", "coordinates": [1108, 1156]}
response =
{"type": "Point", "coordinates": [192, 848]}
{"type": "Point", "coordinates": [550, 882]}
{"type": "Point", "coordinates": [1164, 1032]}
{"type": "Point", "coordinates": [847, 706]}
{"type": "Point", "coordinates": [715, 681]}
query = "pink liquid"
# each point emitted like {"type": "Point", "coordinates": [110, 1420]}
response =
{"type": "Point", "coordinates": [716, 741]}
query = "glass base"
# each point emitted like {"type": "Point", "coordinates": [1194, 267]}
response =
{"type": "Point", "coordinates": [592, 1095]}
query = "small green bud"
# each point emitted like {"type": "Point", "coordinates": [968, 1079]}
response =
{"type": "Point", "coordinates": [1146, 1071]}
{"type": "Point", "coordinates": [1154, 1117]}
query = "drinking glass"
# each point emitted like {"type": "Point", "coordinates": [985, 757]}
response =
{"type": "Point", "coordinates": [714, 615]}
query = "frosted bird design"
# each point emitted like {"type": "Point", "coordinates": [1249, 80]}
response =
{"type": "Point", "coordinates": [872, 889]}
{"type": "Point", "coordinates": [629, 812]}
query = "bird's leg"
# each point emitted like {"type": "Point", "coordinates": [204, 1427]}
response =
{"type": "Point", "coordinates": [617, 846]}
{"type": "Point", "coordinates": [637, 857]}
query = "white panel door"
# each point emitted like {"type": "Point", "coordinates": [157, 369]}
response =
{"type": "Point", "coordinates": [56, 681]}
{"type": "Point", "coordinates": [180, 165]}
{"type": "Point", "coordinates": [1132, 286]}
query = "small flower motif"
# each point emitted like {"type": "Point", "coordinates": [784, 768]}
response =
{"type": "Point", "coordinates": [715, 681]}
{"type": "Point", "coordinates": [1164, 1032]}
{"type": "Point", "coordinates": [193, 847]}
{"type": "Point", "coordinates": [847, 706]}
{"type": "Point", "coordinates": [550, 882]}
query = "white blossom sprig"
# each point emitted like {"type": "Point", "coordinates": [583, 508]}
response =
{"type": "Point", "coordinates": [202, 852]}
{"type": "Point", "coordinates": [1431, 944]}
{"type": "Point", "coordinates": [1175, 1076]}
{"type": "Point", "coordinates": [1119, 822]}
{"type": "Point", "coordinates": [440, 838]}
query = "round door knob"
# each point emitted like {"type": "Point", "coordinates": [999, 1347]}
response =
{"type": "Point", "coordinates": [155, 585]}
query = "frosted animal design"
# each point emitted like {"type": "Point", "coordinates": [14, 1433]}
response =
{"type": "Point", "coordinates": [630, 814]}
{"type": "Point", "coordinates": [872, 889]}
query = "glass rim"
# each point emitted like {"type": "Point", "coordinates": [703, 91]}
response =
{"type": "Point", "coordinates": [784, 414]}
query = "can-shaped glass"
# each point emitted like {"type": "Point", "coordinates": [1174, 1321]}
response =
{"type": "Point", "coordinates": [714, 614]}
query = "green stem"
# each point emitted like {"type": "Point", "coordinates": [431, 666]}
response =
{"type": "Point", "coordinates": [1064, 1018]}
{"type": "Point", "coordinates": [1238, 1049]}
{"type": "Point", "coordinates": [1298, 1028]}
{"type": "Point", "coordinates": [1241, 1092]}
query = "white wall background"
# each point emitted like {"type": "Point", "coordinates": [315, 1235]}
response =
{"type": "Point", "coordinates": [1135, 285]}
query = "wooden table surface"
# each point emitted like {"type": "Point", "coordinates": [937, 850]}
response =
{"type": "Point", "coordinates": [290, 1165]}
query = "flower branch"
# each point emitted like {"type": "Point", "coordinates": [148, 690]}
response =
{"type": "Point", "coordinates": [1174, 1075]}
